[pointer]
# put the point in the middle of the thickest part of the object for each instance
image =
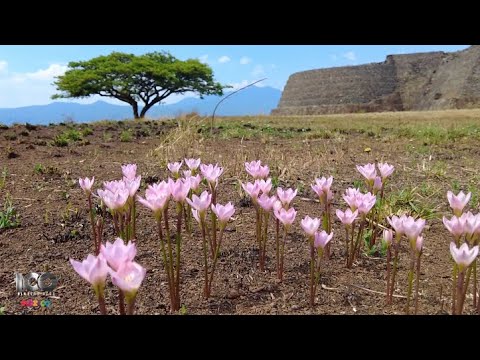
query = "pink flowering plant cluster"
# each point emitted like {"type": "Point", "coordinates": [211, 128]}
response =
{"type": "Point", "coordinates": [192, 194]}
{"type": "Point", "coordinates": [115, 260]}
{"type": "Point", "coordinates": [318, 241]}
{"type": "Point", "coordinates": [118, 197]}
{"type": "Point", "coordinates": [265, 205]}
{"type": "Point", "coordinates": [465, 230]}
{"type": "Point", "coordinates": [375, 182]}
{"type": "Point", "coordinates": [325, 196]}
{"type": "Point", "coordinates": [359, 206]}
{"type": "Point", "coordinates": [412, 229]}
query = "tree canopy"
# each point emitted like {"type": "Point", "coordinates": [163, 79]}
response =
{"type": "Point", "coordinates": [147, 79]}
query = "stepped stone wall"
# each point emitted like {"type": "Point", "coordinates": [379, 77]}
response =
{"type": "Point", "coordinates": [421, 81]}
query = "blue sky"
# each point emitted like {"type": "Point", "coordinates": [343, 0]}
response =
{"type": "Point", "coordinates": [27, 72]}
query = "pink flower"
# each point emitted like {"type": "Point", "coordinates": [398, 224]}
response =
{"type": "Point", "coordinates": [388, 236]}
{"type": "Point", "coordinates": [118, 253]}
{"type": "Point", "coordinates": [267, 202]}
{"type": "Point", "coordinates": [368, 171]}
{"type": "Point", "coordinates": [256, 169]}
{"type": "Point", "coordinates": [86, 184]}
{"type": "Point", "coordinates": [277, 205]}
{"type": "Point", "coordinates": [194, 182]}
{"type": "Point", "coordinates": [200, 203]}
{"type": "Point", "coordinates": [309, 225]}
{"type": "Point", "coordinates": [175, 167]}
{"type": "Point", "coordinates": [377, 184]}
{"type": "Point", "coordinates": [252, 190]}
{"type": "Point", "coordinates": [114, 186]}
{"type": "Point", "coordinates": [128, 278]}
{"type": "Point", "coordinates": [397, 223]}
{"type": "Point", "coordinates": [287, 217]}
{"type": "Point", "coordinates": [192, 164]}
{"type": "Point", "coordinates": [187, 174]}
{"type": "Point", "coordinates": [252, 167]}
{"type": "Point", "coordinates": [196, 215]}
{"type": "Point", "coordinates": [179, 189]}
{"type": "Point", "coordinates": [94, 269]}
{"type": "Point", "coordinates": [211, 173]}
{"type": "Point", "coordinates": [463, 256]}
{"type": "Point", "coordinates": [413, 228]}
{"type": "Point", "coordinates": [458, 202]}
{"type": "Point", "coordinates": [419, 244]}
{"type": "Point", "coordinates": [132, 185]}
{"type": "Point", "coordinates": [286, 196]}
{"type": "Point", "coordinates": [472, 224]}
{"type": "Point", "coordinates": [347, 217]}
{"type": "Point", "coordinates": [114, 200]}
{"type": "Point", "coordinates": [264, 185]}
{"type": "Point", "coordinates": [322, 239]}
{"type": "Point", "coordinates": [224, 213]}
{"type": "Point", "coordinates": [385, 170]}
{"type": "Point", "coordinates": [353, 197]}
{"type": "Point", "coordinates": [129, 171]}
{"type": "Point", "coordinates": [456, 226]}
{"type": "Point", "coordinates": [159, 189]}
{"type": "Point", "coordinates": [322, 189]}
{"type": "Point", "coordinates": [365, 203]}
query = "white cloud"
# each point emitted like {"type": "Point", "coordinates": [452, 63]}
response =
{"type": "Point", "coordinates": [48, 73]}
{"type": "Point", "coordinates": [238, 85]}
{"type": "Point", "coordinates": [244, 60]}
{"type": "Point", "coordinates": [333, 57]}
{"type": "Point", "coordinates": [203, 58]}
{"type": "Point", "coordinates": [350, 55]}
{"type": "Point", "coordinates": [3, 66]}
{"type": "Point", "coordinates": [30, 88]}
{"type": "Point", "coordinates": [258, 70]}
{"type": "Point", "coordinates": [223, 59]}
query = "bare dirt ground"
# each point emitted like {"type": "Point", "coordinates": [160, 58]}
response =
{"type": "Point", "coordinates": [41, 180]}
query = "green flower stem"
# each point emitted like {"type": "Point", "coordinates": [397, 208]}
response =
{"type": "Point", "coordinates": [263, 249]}
{"type": "Point", "coordinates": [165, 259]}
{"type": "Point", "coordinates": [282, 252]}
{"type": "Point", "coordinates": [170, 255]}
{"type": "Point", "coordinates": [417, 282]}
{"type": "Point", "coordinates": [92, 221]}
{"type": "Point", "coordinates": [131, 305]}
{"type": "Point", "coordinates": [467, 282]}
{"type": "Point", "coordinates": [217, 253]}
{"type": "Point", "coordinates": [460, 297]}
{"type": "Point", "coordinates": [205, 259]}
{"type": "Point", "coordinates": [312, 273]}
{"type": "Point", "coordinates": [410, 281]}
{"type": "Point", "coordinates": [395, 264]}
{"type": "Point", "coordinates": [454, 289]}
{"type": "Point", "coordinates": [121, 302]}
{"type": "Point", "coordinates": [277, 246]}
{"type": "Point", "coordinates": [389, 259]}
{"type": "Point", "coordinates": [178, 243]}
{"type": "Point", "coordinates": [134, 218]}
{"type": "Point", "coordinates": [346, 241]}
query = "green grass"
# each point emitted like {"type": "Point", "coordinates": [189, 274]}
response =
{"type": "Point", "coordinates": [410, 201]}
{"type": "Point", "coordinates": [8, 216]}
{"type": "Point", "coordinates": [87, 131]}
{"type": "Point", "coordinates": [126, 136]}
{"type": "Point", "coordinates": [39, 169]}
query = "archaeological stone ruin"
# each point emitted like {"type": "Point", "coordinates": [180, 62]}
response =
{"type": "Point", "coordinates": [421, 81]}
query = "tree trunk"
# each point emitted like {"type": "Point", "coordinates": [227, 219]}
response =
{"type": "Point", "coordinates": [145, 109]}
{"type": "Point", "coordinates": [135, 110]}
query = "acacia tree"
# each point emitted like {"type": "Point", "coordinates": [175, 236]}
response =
{"type": "Point", "coordinates": [148, 78]}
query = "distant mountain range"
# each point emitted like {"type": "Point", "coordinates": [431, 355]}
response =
{"type": "Point", "coordinates": [251, 101]}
